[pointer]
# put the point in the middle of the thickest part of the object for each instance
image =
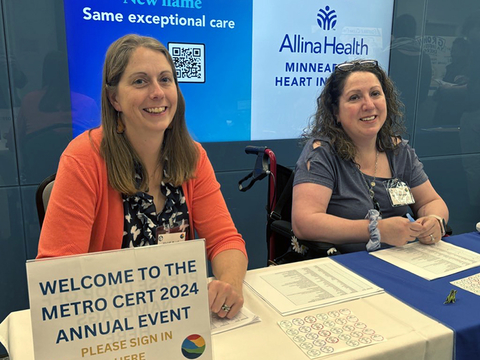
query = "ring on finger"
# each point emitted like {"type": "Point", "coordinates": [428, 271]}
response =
{"type": "Point", "coordinates": [432, 238]}
{"type": "Point", "coordinates": [226, 308]}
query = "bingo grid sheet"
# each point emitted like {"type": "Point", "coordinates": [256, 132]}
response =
{"type": "Point", "coordinates": [470, 283]}
{"type": "Point", "coordinates": [329, 332]}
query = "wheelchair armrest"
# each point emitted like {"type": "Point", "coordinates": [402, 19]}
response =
{"type": "Point", "coordinates": [282, 227]}
{"type": "Point", "coordinates": [321, 249]}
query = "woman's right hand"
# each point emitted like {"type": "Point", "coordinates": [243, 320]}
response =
{"type": "Point", "coordinates": [398, 231]}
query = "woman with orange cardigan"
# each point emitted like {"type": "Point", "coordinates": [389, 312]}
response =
{"type": "Point", "coordinates": [140, 175]}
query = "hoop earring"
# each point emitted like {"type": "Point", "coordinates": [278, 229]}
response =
{"type": "Point", "coordinates": [120, 125]}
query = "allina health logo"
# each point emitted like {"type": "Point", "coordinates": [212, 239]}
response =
{"type": "Point", "coordinates": [326, 18]}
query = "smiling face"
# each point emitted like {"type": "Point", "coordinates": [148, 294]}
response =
{"type": "Point", "coordinates": [146, 95]}
{"type": "Point", "coordinates": [362, 108]}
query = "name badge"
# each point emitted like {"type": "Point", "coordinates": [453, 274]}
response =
{"type": "Point", "coordinates": [399, 192]}
{"type": "Point", "coordinates": [165, 235]}
{"type": "Point", "coordinates": [170, 238]}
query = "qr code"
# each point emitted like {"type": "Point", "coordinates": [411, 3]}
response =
{"type": "Point", "coordinates": [189, 60]}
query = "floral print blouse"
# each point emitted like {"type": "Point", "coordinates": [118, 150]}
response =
{"type": "Point", "coordinates": [142, 224]}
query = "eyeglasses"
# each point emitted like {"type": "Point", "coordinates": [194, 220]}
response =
{"type": "Point", "coordinates": [350, 65]}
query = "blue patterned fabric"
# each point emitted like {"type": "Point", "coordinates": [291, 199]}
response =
{"type": "Point", "coordinates": [141, 219]}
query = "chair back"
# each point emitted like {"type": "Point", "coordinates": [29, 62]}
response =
{"type": "Point", "coordinates": [280, 215]}
{"type": "Point", "coordinates": [42, 196]}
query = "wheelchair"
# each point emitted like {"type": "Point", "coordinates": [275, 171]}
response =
{"type": "Point", "coordinates": [282, 244]}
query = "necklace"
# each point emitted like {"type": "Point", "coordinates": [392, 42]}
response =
{"type": "Point", "coordinates": [371, 185]}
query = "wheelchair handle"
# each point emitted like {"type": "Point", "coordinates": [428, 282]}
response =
{"type": "Point", "coordinates": [250, 149]}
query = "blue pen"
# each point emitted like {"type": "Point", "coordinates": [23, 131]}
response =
{"type": "Point", "coordinates": [409, 217]}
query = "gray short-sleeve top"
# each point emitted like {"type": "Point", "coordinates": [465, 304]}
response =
{"type": "Point", "coordinates": [350, 198]}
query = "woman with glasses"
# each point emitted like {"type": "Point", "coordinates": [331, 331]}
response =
{"type": "Point", "coordinates": [357, 179]}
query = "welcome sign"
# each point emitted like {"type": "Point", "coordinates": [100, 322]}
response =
{"type": "Point", "coordinates": [133, 304]}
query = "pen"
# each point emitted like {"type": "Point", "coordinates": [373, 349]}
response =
{"type": "Point", "coordinates": [409, 217]}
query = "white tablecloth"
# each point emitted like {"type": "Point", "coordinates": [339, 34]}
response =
{"type": "Point", "coordinates": [410, 335]}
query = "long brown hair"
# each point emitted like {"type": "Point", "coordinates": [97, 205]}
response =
{"type": "Point", "coordinates": [120, 157]}
{"type": "Point", "coordinates": [324, 123]}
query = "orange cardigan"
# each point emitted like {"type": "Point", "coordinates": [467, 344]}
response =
{"type": "Point", "coordinates": [85, 214]}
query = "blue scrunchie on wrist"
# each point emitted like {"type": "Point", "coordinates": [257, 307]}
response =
{"type": "Point", "coordinates": [374, 242]}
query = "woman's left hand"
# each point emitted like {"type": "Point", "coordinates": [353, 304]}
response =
{"type": "Point", "coordinates": [432, 232]}
{"type": "Point", "coordinates": [224, 299]}
{"type": "Point", "coordinates": [427, 201]}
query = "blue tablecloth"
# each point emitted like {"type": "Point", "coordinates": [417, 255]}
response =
{"type": "Point", "coordinates": [428, 296]}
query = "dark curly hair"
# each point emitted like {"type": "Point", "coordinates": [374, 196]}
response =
{"type": "Point", "coordinates": [324, 122]}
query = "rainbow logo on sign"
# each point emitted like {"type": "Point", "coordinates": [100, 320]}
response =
{"type": "Point", "coordinates": [193, 346]}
